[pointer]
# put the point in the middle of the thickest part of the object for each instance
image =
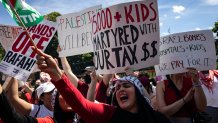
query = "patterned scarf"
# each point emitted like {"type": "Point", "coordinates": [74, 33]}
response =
{"type": "Point", "coordinates": [208, 81]}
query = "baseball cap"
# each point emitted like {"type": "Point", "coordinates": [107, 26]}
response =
{"type": "Point", "coordinates": [44, 88]}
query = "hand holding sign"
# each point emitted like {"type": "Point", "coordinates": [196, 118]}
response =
{"type": "Point", "coordinates": [93, 75]}
{"type": "Point", "coordinates": [19, 61]}
{"type": "Point", "coordinates": [48, 64]}
{"type": "Point", "coordinates": [193, 73]}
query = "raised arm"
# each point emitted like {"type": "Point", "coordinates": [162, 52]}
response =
{"type": "Point", "coordinates": [92, 87]}
{"type": "Point", "coordinates": [19, 104]}
{"type": "Point", "coordinates": [68, 70]}
{"type": "Point", "coordinates": [9, 114]}
{"type": "Point", "coordinates": [101, 89]}
{"type": "Point", "coordinates": [89, 111]}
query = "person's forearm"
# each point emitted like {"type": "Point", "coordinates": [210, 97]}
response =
{"type": "Point", "coordinates": [200, 98]}
{"type": "Point", "coordinates": [68, 71]}
{"type": "Point", "coordinates": [19, 104]}
{"type": "Point", "coordinates": [65, 63]}
{"type": "Point", "coordinates": [171, 109]}
{"type": "Point", "coordinates": [91, 90]}
{"type": "Point", "coordinates": [12, 93]}
{"type": "Point", "coordinates": [56, 74]}
{"type": "Point", "coordinates": [8, 113]}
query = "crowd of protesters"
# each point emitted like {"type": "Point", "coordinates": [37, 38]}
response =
{"type": "Point", "coordinates": [59, 96]}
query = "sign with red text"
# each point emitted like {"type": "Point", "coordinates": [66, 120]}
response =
{"type": "Point", "coordinates": [75, 32]}
{"type": "Point", "coordinates": [126, 35]}
{"type": "Point", "coordinates": [188, 49]}
{"type": "Point", "coordinates": [20, 59]}
{"type": "Point", "coordinates": [8, 34]}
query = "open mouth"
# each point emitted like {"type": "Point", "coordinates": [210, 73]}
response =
{"type": "Point", "coordinates": [123, 98]}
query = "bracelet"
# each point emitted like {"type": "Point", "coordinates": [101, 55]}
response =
{"type": "Point", "coordinates": [197, 85]}
{"type": "Point", "coordinates": [184, 100]}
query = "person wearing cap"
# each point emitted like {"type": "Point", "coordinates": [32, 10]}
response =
{"type": "Point", "coordinates": [131, 102]}
{"type": "Point", "coordinates": [62, 112]}
{"type": "Point", "coordinates": [44, 93]}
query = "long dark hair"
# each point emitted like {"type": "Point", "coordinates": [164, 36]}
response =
{"type": "Point", "coordinates": [145, 111]}
{"type": "Point", "coordinates": [59, 115]}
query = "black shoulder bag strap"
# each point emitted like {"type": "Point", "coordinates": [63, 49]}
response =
{"type": "Point", "coordinates": [37, 111]}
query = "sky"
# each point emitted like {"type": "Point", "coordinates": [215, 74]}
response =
{"type": "Point", "coordinates": [175, 15]}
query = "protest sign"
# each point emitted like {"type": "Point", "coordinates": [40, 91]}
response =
{"type": "Point", "coordinates": [75, 32]}
{"type": "Point", "coordinates": [8, 34]}
{"type": "Point", "coordinates": [19, 61]}
{"type": "Point", "coordinates": [188, 49]}
{"type": "Point", "coordinates": [126, 35]}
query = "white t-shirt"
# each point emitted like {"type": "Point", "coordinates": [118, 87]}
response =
{"type": "Point", "coordinates": [43, 112]}
{"type": "Point", "coordinates": [212, 98]}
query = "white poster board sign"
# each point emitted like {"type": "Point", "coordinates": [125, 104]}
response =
{"type": "Point", "coordinates": [19, 61]}
{"type": "Point", "coordinates": [189, 49]}
{"type": "Point", "coordinates": [8, 34]}
{"type": "Point", "coordinates": [75, 32]}
{"type": "Point", "coordinates": [126, 35]}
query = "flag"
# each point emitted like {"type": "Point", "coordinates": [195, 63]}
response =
{"type": "Point", "coordinates": [28, 15]}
